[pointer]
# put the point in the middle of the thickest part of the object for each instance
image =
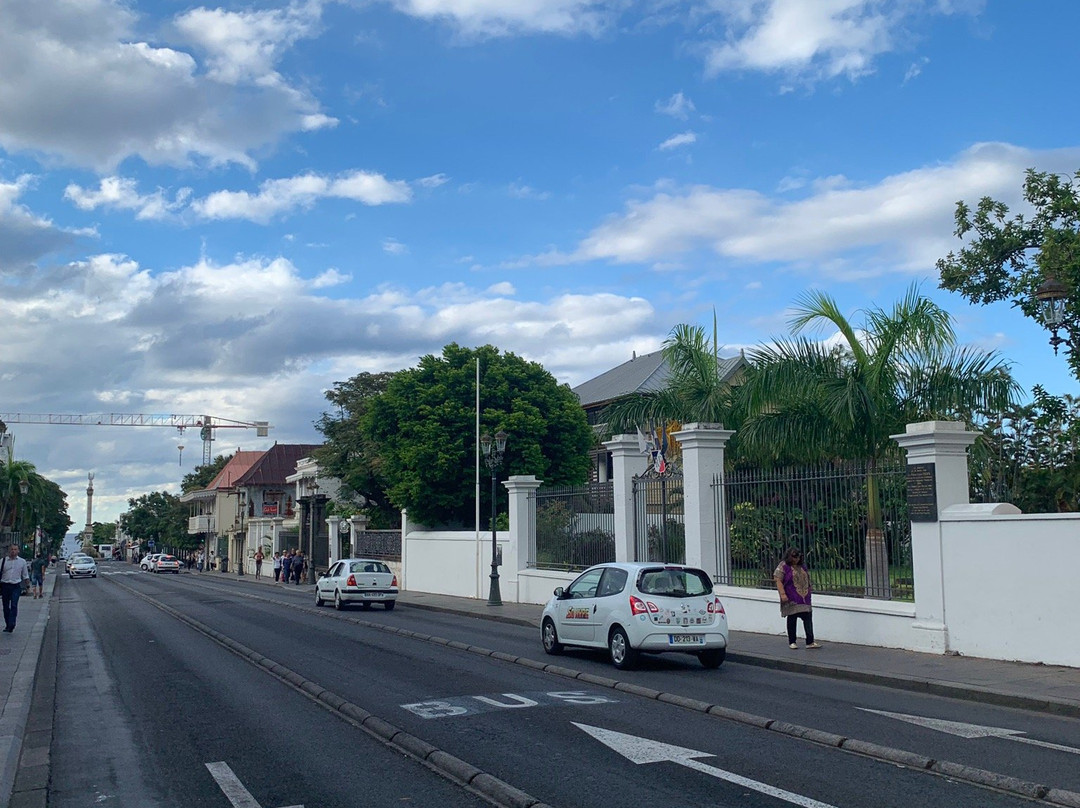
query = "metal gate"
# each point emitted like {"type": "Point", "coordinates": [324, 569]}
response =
{"type": "Point", "coordinates": [659, 532]}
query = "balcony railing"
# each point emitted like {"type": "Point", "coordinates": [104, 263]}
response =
{"type": "Point", "coordinates": [201, 524]}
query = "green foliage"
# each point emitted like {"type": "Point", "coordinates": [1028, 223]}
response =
{"type": "Point", "coordinates": [1008, 259]}
{"type": "Point", "coordinates": [159, 516]}
{"type": "Point", "coordinates": [44, 504]}
{"type": "Point", "coordinates": [669, 544]}
{"type": "Point", "coordinates": [424, 429]}
{"type": "Point", "coordinates": [202, 476]}
{"type": "Point", "coordinates": [104, 532]}
{"type": "Point", "coordinates": [559, 547]}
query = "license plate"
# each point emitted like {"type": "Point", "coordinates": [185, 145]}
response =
{"type": "Point", "coordinates": [373, 594]}
{"type": "Point", "coordinates": [686, 639]}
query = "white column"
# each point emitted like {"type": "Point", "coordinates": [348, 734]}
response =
{"type": "Point", "coordinates": [626, 461]}
{"type": "Point", "coordinates": [703, 462]}
{"type": "Point", "coordinates": [943, 445]}
{"type": "Point", "coordinates": [522, 513]}
{"type": "Point", "coordinates": [404, 549]}
{"type": "Point", "coordinates": [333, 524]}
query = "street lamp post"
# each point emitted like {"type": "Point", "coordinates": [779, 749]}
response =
{"type": "Point", "coordinates": [1052, 295]}
{"type": "Point", "coordinates": [493, 456]}
{"type": "Point", "coordinates": [24, 489]}
{"type": "Point", "coordinates": [313, 487]}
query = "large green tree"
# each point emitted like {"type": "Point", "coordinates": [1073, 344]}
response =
{"type": "Point", "coordinates": [348, 453]}
{"type": "Point", "coordinates": [159, 516]}
{"type": "Point", "coordinates": [1009, 258]}
{"type": "Point", "coordinates": [424, 426]}
{"type": "Point", "coordinates": [814, 400]}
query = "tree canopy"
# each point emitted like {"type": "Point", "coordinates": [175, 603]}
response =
{"type": "Point", "coordinates": [1009, 258]}
{"type": "Point", "coordinates": [419, 434]}
{"type": "Point", "coordinates": [160, 516]}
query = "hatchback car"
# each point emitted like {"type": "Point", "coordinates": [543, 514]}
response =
{"type": "Point", "coordinates": [357, 580]}
{"type": "Point", "coordinates": [633, 608]}
{"type": "Point", "coordinates": [148, 560]}
{"type": "Point", "coordinates": [166, 563]}
{"type": "Point", "coordinates": [82, 567]}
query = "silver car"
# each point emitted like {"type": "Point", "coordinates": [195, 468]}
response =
{"type": "Point", "coordinates": [357, 580]}
{"type": "Point", "coordinates": [82, 567]}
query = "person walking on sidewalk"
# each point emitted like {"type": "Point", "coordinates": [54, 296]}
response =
{"type": "Point", "coordinates": [258, 563]}
{"type": "Point", "coordinates": [13, 572]}
{"type": "Point", "coordinates": [277, 566]}
{"type": "Point", "coordinates": [298, 564]}
{"type": "Point", "coordinates": [286, 565]}
{"type": "Point", "coordinates": [793, 583]}
{"type": "Point", "coordinates": [37, 575]}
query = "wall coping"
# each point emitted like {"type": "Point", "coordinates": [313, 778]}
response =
{"type": "Point", "coordinates": [832, 602]}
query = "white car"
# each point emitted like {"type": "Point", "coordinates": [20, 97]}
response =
{"type": "Point", "coordinates": [82, 566]}
{"type": "Point", "coordinates": [148, 561]}
{"type": "Point", "coordinates": [633, 608]}
{"type": "Point", "coordinates": [357, 580]}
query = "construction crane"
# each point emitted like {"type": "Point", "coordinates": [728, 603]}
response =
{"type": "Point", "coordinates": [206, 424]}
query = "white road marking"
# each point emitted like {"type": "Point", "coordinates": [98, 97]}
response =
{"type": "Point", "coordinates": [962, 730]}
{"type": "Point", "coordinates": [642, 750]}
{"type": "Point", "coordinates": [234, 790]}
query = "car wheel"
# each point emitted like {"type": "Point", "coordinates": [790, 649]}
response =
{"type": "Point", "coordinates": [713, 658]}
{"type": "Point", "coordinates": [318, 597]}
{"type": "Point", "coordinates": [339, 604]}
{"type": "Point", "coordinates": [365, 606]}
{"type": "Point", "coordinates": [390, 604]}
{"type": "Point", "coordinates": [95, 575]}
{"type": "Point", "coordinates": [550, 637]}
{"type": "Point", "coordinates": [623, 656]}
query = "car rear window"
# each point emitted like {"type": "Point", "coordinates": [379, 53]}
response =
{"type": "Point", "coordinates": [675, 583]}
{"type": "Point", "coordinates": [368, 566]}
{"type": "Point", "coordinates": [166, 558]}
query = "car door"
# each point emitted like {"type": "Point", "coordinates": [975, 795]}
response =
{"type": "Point", "coordinates": [325, 584]}
{"type": "Point", "coordinates": [611, 606]}
{"type": "Point", "coordinates": [576, 618]}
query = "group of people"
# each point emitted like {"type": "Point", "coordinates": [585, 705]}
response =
{"type": "Point", "coordinates": [288, 564]}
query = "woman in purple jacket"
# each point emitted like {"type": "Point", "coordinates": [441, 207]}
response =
{"type": "Point", "coordinates": [793, 583]}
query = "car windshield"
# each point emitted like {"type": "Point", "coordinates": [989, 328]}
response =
{"type": "Point", "coordinates": [368, 566]}
{"type": "Point", "coordinates": [675, 583]}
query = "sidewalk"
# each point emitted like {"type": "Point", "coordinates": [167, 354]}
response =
{"type": "Point", "coordinates": [1045, 688]}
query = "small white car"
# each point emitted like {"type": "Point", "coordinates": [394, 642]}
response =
{"type": "Point", "coordinates": [165, 563]}
{"type": "Point", "coordinates": [357, 580]}
{"type": "Point", "coordinates": [148, 561]}
{"type": "Point", "coordinates": [633, 608]}
{"type": "Point", "coordinates": [82, 566]}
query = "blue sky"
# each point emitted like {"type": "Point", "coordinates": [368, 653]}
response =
{"type": "Point", "coordinates": [224, 209]}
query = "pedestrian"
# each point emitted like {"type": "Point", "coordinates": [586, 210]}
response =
{"type": "Point", "coordinates": [37, 575]}
{"type": "Point", "coordinates": [200, 561]}
{"type": "Point", "coordinates": [286, 566]}
{"type": "Point", "coordinates": [298, 564]}
{"type": "Point", "coordinates": [258, 563]}
{"type": "Point", "coordinates": [277, 566]}
{"type": "Point", "coordinates": [13, 574]}
{"type": "Point", "coordinates": [793, 583]}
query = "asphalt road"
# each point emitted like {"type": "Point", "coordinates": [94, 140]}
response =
{"type": "Point", "coordinates": [145, 702]}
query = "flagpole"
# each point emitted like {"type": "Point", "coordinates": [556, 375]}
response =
{"type": "Point", "coordinates": [479, 587]}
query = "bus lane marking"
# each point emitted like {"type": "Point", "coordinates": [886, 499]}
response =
{"type": "Point", "coordinates": [475, 705]}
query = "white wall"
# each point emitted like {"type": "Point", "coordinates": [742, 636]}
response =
{"type": "Point", "coordinates": [1011, 589]}
{"type": "Point", "coordinates": [446, 562]}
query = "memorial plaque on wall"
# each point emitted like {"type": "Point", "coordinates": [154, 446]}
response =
{"type": "Point", "coordinates": [922, 492]}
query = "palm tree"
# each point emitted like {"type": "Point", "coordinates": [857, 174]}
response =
{"type": "Point", "coordinates": [17, 506]}
{"type": "Point", "coordinates": [810, 400]}
{"type": "Point", "coordinates": [695, 389]}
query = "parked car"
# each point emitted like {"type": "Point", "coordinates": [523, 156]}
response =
{"type": "Point", "coordinates": [148, 561]}
{"type": "Point", "coordinates": [166, 563]}
{"type": "Point", "coordinates": [633, 608]}
{"type": "Point", "coordinates": [357, 580]}
{"type": "Point", "coordinates": [81, 566]}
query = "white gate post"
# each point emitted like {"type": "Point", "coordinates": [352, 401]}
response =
{"type": "Point", "coordinates": [522, 516]}
{"type": "Point", "coordinates": [937, 461]}
{"type": "Point", "coordinates": [703, 461]}
{"type": "Point", "coordinates": [333, 525]}
{"type": "Point", "coordinates": [626, 461]}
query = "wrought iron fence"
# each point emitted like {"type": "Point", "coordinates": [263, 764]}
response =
{"type": "Point", "coordinates": [575, 526]}
{"type": "Point", "coordinates": [384, 544]}
{"type": "Point", "coordinates": [821, 510]}
{"type": "Point", "coordinates": [659, 532]}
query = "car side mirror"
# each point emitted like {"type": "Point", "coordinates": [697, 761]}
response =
{"type": "Point", "coordinates": [558, 592]}
{"type": "Point", "coordinates": [325, 574]}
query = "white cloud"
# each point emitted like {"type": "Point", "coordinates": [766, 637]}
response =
{"type": "Point", "coordinates": [392, 246]}
{"type": "Point", "coordinates": [675, 141]}
{"type": "Point", "coordinates": [81, 82]}
{"type": "Point", "coordinates": [24, 236]}
{"type": "Point", "coordinates": [899, 224]}
{"type": "Point", "coordinates": [915, 69]}
{"type": "Point", "coordinates": [819, 39]}
{"type": "Point", "coordinates": [678, 106]}
{"type": "Point", "coordinates": [121, 193]}
{"type": "Point", "coordinates": [276, 197]}
{"type": "Point", "coordinates": [434, 181]}
{"type": "Point", "coordinates": [500, 18]}
{"type": "Point", "coordinates": [521, 191]}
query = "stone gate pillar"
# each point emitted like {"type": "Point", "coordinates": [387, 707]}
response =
{"type": "Point", "coordinates": [626, 462]}
{"type": "Point", "coordinates": [937, 473]}
{"type": "Point", "coordinates": [703, 463]}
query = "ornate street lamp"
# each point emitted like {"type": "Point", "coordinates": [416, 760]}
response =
{"type": "Point", "coordinates": [493, 457]}
{"type": "Point", "coordinates": [1052, 295]}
